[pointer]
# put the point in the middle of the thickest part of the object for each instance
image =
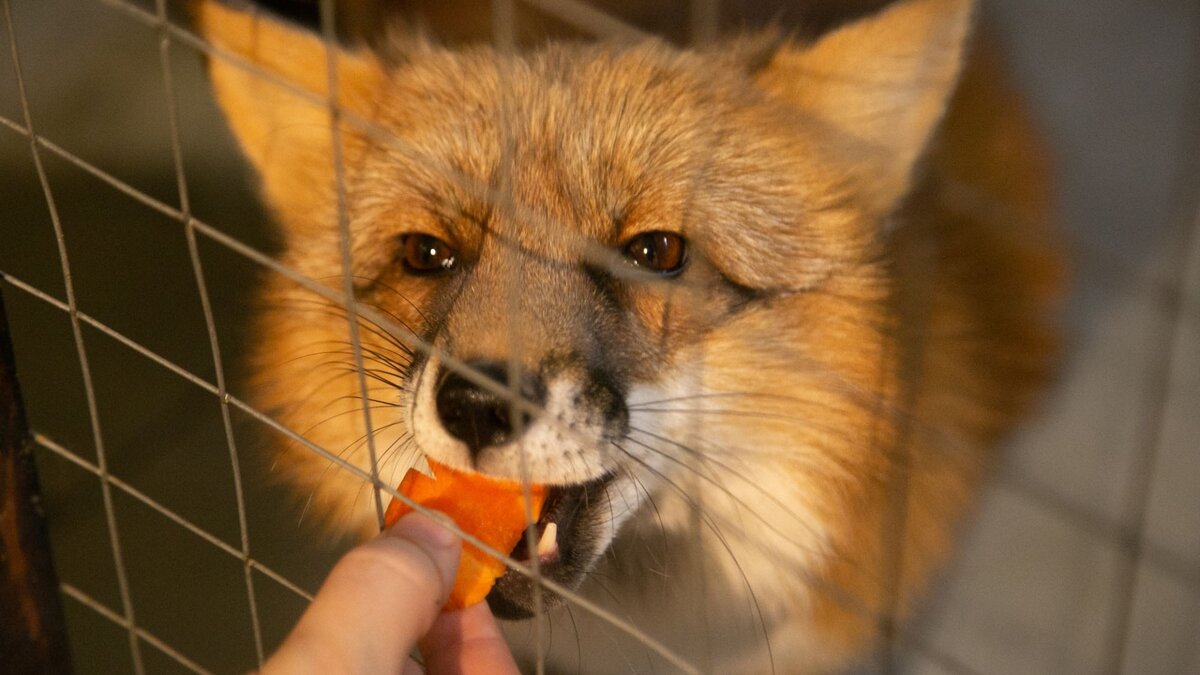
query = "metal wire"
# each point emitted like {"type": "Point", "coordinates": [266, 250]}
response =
{"type": "Point", "coordinates": [81, 351]}
{"type": "Point", "coordinates": [328, 34]}
{"type": "Point", "coordinates": [209, 321]}
{"type": "Point", "coordinates": [705, 18]}
{"type": "Point", "coordinates": [1131, 538]}
{"type": "Point", "coordinates": [51, 445]}
{"type": "Point", "coordinates": [589, 19]}
{"type": "Point", "coordinates": [260, 258]}
{"type": "Point", "coordinates": [581, 602]}
{"type": "Point", "coordinates": [145, 636]}
{"type": "Point", "coordinates": [503, 24]}
{"type": "Point", "coordinates": [467, 371]}
{"type": "Point", "coordinates": [1092, 523]}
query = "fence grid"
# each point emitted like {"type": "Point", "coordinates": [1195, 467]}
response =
{"type": "Point", "coordinates": [1128, 535]}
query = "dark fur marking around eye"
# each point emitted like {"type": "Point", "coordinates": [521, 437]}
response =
{"type": "Point", "coordinates": [421, 356]}
{"type": "Point", "coordinates": [436, 316]}
{"type": "Point", "coordinates": [604, 284]}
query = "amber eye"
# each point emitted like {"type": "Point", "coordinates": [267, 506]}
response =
{"type": "Point", "coordinates": [661, 252]}
{"type": "Point", "coordinates": [425, 254]}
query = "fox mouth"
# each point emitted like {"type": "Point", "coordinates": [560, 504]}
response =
{"type": "Point", "coordinates": [568, 544]}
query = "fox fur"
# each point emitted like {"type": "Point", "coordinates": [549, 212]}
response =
{"type": "Point", "coordinates": [793, 426]}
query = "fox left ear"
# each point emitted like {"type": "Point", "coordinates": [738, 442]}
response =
{"type": "Point", "coordinates": [877, 88]}
{"type": "Point", "coordinates": [272, 81]}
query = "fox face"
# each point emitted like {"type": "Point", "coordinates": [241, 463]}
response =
{"type": "Point", "coordinates": [662, 282]}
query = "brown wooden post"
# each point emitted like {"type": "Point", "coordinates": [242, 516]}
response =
{"type": "Point", "coordinates": [33, 636]}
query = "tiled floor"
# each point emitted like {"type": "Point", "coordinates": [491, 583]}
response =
{"type": "Point", "coordinates": [1116, 86]}
{"type": "Point", "coordinates": [1036, 589]}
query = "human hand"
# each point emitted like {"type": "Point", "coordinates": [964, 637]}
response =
{"type": "Point", "coordinates": [382, 599]}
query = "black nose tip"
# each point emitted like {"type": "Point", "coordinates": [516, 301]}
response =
{"type": "Point", "coordinates": [480, 417]}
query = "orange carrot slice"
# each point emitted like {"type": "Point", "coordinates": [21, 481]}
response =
{"type": "Point", "coordinates": [489, 508]}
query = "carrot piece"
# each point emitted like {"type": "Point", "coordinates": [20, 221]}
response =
{"type": "Point", "coordinates": [489, 508]}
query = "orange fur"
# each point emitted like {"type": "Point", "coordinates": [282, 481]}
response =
{"type": "Point", "coordinates": [865, 308]}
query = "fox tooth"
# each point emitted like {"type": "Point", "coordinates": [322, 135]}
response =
{"type": "Point", "coordinates": [548, 544]}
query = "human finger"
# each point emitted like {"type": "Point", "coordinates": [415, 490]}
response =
{"type": "Point", "coordinates": [375, 604]}
{"type": "Point", "coordinates": [467, 642]}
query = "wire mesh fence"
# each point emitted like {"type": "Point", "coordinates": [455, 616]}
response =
{"type": "Point", "coordinates": [177, 548]}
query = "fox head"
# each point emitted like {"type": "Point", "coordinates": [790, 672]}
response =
{"type": "Point", "coordinates": [644, 275]}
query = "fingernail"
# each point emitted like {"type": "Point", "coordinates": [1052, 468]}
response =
{"type": "Point", "coordinates": [435, 531]}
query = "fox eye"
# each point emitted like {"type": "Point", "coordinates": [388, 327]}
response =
{"type": "Point", "coordinates": [661, 252]}
{"type": "Point", "coordinates": [423, 254]}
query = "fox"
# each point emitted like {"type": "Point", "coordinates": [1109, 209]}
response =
{"type": "Point", "coordinates": [760, 312]}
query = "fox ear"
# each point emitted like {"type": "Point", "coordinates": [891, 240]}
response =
{"type": "Point", "coordinates": [272, 81]}
{"type": "Point", "coordinates": [876, 88]}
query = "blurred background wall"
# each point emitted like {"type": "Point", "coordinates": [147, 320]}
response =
{"type": "Point", "coordinates": [1114, 84]}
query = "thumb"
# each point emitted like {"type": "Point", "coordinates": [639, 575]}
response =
{"type": "Point", "coordinates": [378, 600]}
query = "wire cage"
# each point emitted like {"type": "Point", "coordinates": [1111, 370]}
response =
{"type": "Point", "coordinates": [131, 243]}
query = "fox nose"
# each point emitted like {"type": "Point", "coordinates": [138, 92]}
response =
{"type": "Point", "coordinates": [480, 417]}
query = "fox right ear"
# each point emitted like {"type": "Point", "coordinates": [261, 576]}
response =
{"type": "Point", "coordinates": [271, 78]}
{"type": "Point", "coordinates": [877, 88]}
